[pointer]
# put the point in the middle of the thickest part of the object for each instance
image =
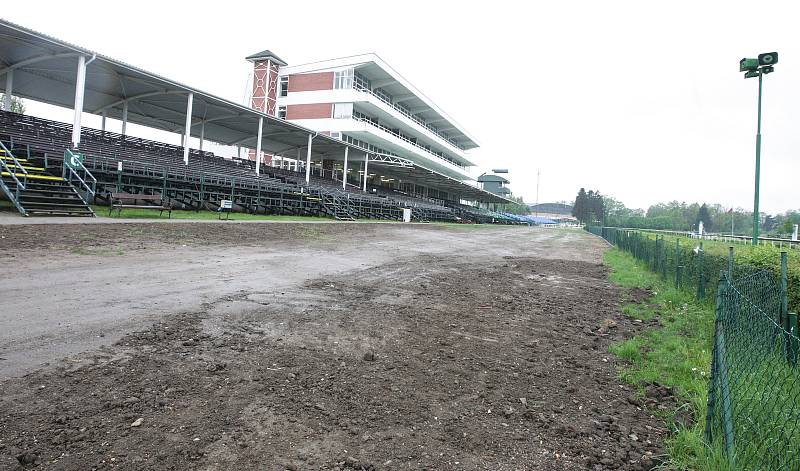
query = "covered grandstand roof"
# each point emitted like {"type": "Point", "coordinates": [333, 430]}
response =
{"type": "Point", "coordinates": [44, 70]}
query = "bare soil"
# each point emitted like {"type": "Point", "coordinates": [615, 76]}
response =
{"type": "Point", "coordinates": [436, 348]}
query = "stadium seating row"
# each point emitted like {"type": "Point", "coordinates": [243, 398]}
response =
{"type": "Point", "coordinates": [130, 164]}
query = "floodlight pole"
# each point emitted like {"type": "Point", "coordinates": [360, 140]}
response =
{"type": "Point", "coordinates": [758, 161]}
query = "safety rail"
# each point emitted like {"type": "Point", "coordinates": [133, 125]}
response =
{"type": "Point", "coordinates": [408, 114]}
{"type": "Point", "coordinates": [739, 239]}
{"type": "Point", "coordinates": [404, 138]}
{"type": "Point", "coordinates": [13, 196]}
{"type": "Point", "coordinates": [72, 162]}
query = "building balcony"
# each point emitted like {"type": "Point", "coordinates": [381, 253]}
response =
{"type": "Point", "coordinates": [450, 167]}
{"type": "Point", "coordinates": [440, 137]}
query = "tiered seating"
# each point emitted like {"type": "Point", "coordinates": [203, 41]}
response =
{"type": "Point", "coordinates": [157, 168]}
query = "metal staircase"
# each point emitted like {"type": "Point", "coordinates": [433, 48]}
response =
{"type": "Point", "coordinates": [339, 208]}
{"type": "Point", "coordinates": [34, 190]}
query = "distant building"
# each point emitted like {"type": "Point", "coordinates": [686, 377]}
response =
{"type": "Point", "coordinates": [494, 184]}
{"type": "Point", "coordinates": [552, 208]}
{"type": "Point", "coordinates": [559, 212]}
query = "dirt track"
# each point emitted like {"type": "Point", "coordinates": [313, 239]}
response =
{"type": "Point", "coordinates": [342, 347]}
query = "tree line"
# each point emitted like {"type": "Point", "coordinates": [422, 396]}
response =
{"type": "Point", "coordinates": [679, 216]}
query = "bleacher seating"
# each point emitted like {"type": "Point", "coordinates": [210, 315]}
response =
{"type": "Point", "coordinates": [156, 167]}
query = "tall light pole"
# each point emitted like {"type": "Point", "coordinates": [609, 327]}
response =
{"type": "Point", "coordinates": [757, 68]}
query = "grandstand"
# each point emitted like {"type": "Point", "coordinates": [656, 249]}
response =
{"type": "Point", "coordinates": [55, 168]}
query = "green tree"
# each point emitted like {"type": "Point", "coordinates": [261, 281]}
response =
{"type": "Point", "coordinates": [17, 105]}
{"type": "Point", "coordinates": [704, 216]}
{"type": "Point", "coordinates": [580, 210]}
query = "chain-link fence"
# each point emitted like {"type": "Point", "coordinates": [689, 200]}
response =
{"type": "Point", "coordinates": [753, 417]}
{"type": "Point", "coordinates": [754, 396]}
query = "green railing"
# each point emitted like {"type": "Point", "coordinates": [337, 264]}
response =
{"type": "Point", "coordinates": [73, 168]}
{"type": "Point", "coordinates": [753, 417]}
{"type": "Point", "coordinates": [11, 170]}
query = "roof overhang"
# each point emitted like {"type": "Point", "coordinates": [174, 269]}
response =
{"type": "Point", "coordinates": [45, 70]}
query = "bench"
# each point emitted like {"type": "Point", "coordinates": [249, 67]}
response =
{"type": "Point", "coordinates": [120, 201]}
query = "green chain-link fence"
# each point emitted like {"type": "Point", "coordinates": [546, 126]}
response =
{"type": "Point", "coordinates": [753, 419]}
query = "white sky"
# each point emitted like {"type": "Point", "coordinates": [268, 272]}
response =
{"type": "Point", "coordinates": [641, 100]}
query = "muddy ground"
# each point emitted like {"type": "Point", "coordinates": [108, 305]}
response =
{"type": "Point", "coordinates": [385, 347]}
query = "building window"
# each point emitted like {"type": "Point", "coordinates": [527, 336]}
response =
{"type": "Point", "coordinates": [283, 89]}
{"type": "Point", "coordinates": [282, 112]}
{"type": "Point", "coordinates": [343, 79]}
{"type": "Point", "coordinates": [342, 110]}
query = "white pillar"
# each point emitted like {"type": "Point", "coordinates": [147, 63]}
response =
{"type": "Point", "coordinates": [308, 158]}
{"type": "Point", "coordinates": [202, 133]}
{"type": "Point", "coordinates": [105, 116]}
{"type": "Point", "coordinates": [124, 117]}
{"type": "Point", "coordinates": [188, 132]}
{"type": "Point", "coordinates": [366, 170]}
{"type": "Point", "coordinates": [344, 169]}
{"type": "Point", "coordinates": [794, 233]}
{"type": "Point", "coordinates": [80, 83]}
{"type": "Point", "coordinates": [8, 90]}
{"type": "Point", "coordinates": [297, 161]}
{"type": "Point", "coordinates": [258, 145]}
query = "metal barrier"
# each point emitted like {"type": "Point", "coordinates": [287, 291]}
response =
{"type": "Point", "coordinates": [753, 416]}
{"type": "Point", "coordinates": [72, 167]}
{"type": "Point", "coordinates": [754, 396]}
{"type": "Point", "coordinates": [4, 168]}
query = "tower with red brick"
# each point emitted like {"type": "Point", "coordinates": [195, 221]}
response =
{"type": "Point", "coordinates": [266, 66]}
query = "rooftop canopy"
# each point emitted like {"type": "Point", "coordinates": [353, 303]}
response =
{"type": "Point", "coordinates": [491, 178]}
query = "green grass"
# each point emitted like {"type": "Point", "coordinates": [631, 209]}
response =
{"type": "Point", "coordinates": [677, 354]}
{"type": "Point", "coordinates": [135, 213]}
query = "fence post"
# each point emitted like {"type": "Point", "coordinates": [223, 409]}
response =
{"type": "Point", "coordinates": [663, 259]}
{"type": "Point", "coordinates": [793, 340]}
{"type": "Point", "coordinates": [677, 263]}
{"type": "Point", "coordinates": [730, 264]}
{"type": "Point", "coordinates": [784, 321]}
{"type": "Point", "coordinates": [701, 285]}
{"type": "Point", "coordinates": [720, 362]}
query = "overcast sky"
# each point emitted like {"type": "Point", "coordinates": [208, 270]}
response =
{"type": "Point", "coordinates": [640, 100]}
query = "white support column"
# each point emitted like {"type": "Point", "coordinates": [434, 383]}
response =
{"type": "Point", "coordinates": [202, 133]}
{"type": "Point", "coordinates": [344, 169]}
{"type": "Point", "coordinates": [258, 145]}
{"type": "Point", "coordinates": [238, 152]}
{"type": "Point", "coordinates": [80, 83]}
{"type": "Point", "coordinates": [297, 161]}
{"type": "Point", "coordinates": [124, 117]}
{"type": "Point", "coordinates": [308, 158]}
{"type": "Point", "coordinates": [105, 116]}
{"type": "Point", "coordinates": [188, 132]}
{"type": "Point", "coordinates": [366, 171]}
{"type": "Point", "coordinates": [8, 90]}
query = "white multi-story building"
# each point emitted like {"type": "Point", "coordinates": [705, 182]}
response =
{"type": "Point", "coordinates": [362, 100]}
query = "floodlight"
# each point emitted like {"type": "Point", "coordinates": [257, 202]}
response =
{"type": "Point", "coordinates": [752, 74]}
{"type": "Point", "coordinates": [768, 58]}
{"type": "Point", "coordinates": [767, 69]}
{"type": "Point", "coordinates": [748, 64]}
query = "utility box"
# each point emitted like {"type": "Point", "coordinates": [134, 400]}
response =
{"type": "Point", "coordinates": [406, 214]}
